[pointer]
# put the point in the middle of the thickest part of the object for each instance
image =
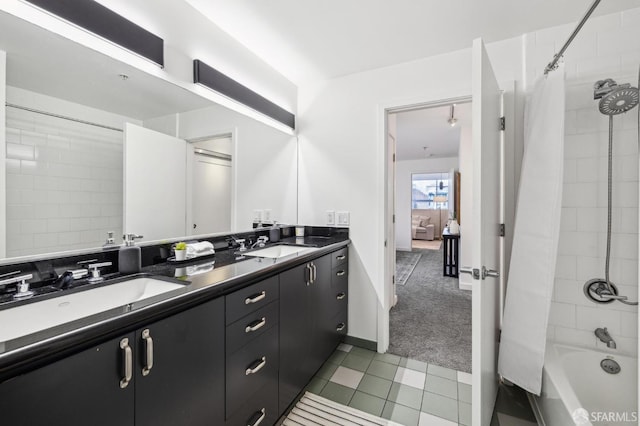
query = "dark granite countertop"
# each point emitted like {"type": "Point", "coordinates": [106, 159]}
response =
{"type": "Point", "coordinates": [203, 278]}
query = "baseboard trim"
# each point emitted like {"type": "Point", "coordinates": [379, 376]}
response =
{"type": "Point", "coordinates": [363, 343]}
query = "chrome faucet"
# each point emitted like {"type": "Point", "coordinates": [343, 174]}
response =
{"type": "Point", "coordinates": [605, 337]}
{"type": "Point", "coordinates": [260, 242]}
{"type": "Point", "coordinates": [22, 286]}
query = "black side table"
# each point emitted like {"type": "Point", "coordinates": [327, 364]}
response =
{"type": "Point", "coordinates": [450, 257]}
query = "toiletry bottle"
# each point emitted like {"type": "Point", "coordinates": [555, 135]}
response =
{"type": "Point", "coordinates": [129, 256]}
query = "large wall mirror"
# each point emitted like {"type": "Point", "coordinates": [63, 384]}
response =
{"type": "Point", "coordinates": [94, 145]}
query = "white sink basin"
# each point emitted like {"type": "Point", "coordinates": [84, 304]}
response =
{"type": "Point", "coordinates": [26, 319]}
{"type": "Point", "coordinates": [275, 252]}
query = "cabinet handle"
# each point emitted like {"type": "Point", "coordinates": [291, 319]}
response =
{"type": "Point", "coordinates": [340, 273]}
{"type": "Point", "coordinates": [261, 363]}
{"type": "Point", "coordinates": [340, 326]}
{"type": "Point", "coordinates": [257, 324]}
{"type": "Point", "coordinates": [315, 272]}
{"type": "Point", "coordinates": [146, 336]}
{"type": "Point", "coordinates": [310, 280]}
{"type": "Point", "coordinates": [340, 296]}
{"type": "Point", "coordinates": [341, 257]}
{"type": "Point", "coordinates": [262, 414]}
{"type": "Point", "coordinates": [255, 298]}
{"type": "Point", "coordinates": [127, 362]}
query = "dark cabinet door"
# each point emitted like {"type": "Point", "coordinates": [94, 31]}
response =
{"type": "Point", "coordinates": [295, 333]}
{"type": "Point", "coordinates": [185, 385]}
{"type": "Point", "coordinates": [83, 389]}
{"type": "Point", "coordinates": [322, 301]}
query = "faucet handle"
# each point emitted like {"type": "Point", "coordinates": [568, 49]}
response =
{"type": "Point", "coordinates": [22, 286]}
{"type": "Point", "coordinates": [94, 269]}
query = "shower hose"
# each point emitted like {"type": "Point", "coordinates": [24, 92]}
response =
{"type": "Point", "coordinates": [609, 200]}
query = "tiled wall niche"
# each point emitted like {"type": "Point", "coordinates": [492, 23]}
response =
{"type": "Point", "coordinates": [607, 47]}
{"type": "Point", "coordinates": [64, 183]}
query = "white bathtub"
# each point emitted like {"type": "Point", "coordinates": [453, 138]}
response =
{"type": "Point", "coordinates": [573, 380]}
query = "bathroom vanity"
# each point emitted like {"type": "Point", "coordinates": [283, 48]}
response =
{"type": "Point", "coordinates": [233, 345]}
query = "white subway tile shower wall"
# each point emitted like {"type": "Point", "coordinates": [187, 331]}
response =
{"type": "Point", "coordinates": [607, 47]}
{"type": "Point", "coordinates": [64, 184]}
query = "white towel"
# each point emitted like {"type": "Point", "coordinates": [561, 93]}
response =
{"type": "Point", "coordinates": [200, 249]}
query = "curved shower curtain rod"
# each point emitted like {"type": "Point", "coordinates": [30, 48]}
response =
{"type": "Point", "coordinates": [554, 63]}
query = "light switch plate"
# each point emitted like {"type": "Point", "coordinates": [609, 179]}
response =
{"type": "Point", "coordinates": [343, 218]}
{"type": "Point", "coordinates": [331, 217]}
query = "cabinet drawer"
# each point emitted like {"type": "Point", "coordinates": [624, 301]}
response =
{"type": "Point", "coordinates": [251, 326]}
{"type": "Point", "coordinates": [252, 367]}
{"type": "Point", "coordinates": [339, 257]}
{"type": "Point", "coordinates": [340, 322]}
{"type": "Point", "coordinates": [263, 402]}
{"type": "Point", "coordinates": [249, 299]}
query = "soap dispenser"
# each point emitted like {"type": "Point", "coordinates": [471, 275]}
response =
{"type": "Point", "coordinates": [130, 255]}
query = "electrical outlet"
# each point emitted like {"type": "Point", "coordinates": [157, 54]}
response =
{"type": "Point", "coordinates": [343, 218]}
{"type": "Point", "coordinates": [331, 217]}
{"type": "Point", "coordinates": [267, 215]}
{"type": "Point", "coordinates": [257, 215]}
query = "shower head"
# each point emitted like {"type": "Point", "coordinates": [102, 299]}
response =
{"type": "Point", "coordinates": [615, 99]}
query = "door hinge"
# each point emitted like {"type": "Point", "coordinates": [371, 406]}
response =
{"type": "Point", "coordinates": [393, 279]}
{"type": "Point", "coordinates": [499, 335]}
{"type": "Point", "coordinates": [503, 125]}
{"type": "Point", "coordinates": [502, 230]}
{"type": "Point", "coordinates": [385, 243]}
{"type": "Point", "coordinates": [394, 219]}
{"type": "Point", "coordinates": [394, 158]}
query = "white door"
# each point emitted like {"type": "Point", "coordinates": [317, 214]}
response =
{"type": "Point", "coordinates": [485, 253]}
{"type": "Point", "coordinates": [155, 184]}
{"type": "Point", "coordinates": [211, 189]}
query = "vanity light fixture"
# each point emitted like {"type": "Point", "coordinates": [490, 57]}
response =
{"type": "Point", "coordinates": [213, 79]}
{"type": "Point", "coordinates": [452, 120]}
{"type": "Point", "coordinates": [105, 23]}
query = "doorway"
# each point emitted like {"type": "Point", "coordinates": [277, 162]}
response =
{"type": "Point", "coordinates": [211, 184]}
{"type": "Point", "coordinates": [431, 321]}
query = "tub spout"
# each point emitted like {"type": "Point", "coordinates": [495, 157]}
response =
{"type": "Point", "coordinates": [605, 337]}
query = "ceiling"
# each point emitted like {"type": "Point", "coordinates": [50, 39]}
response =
{"type": "Point", "coordinates": [428, 127]}
{"type": "Point", "coordinates": [310, 40]}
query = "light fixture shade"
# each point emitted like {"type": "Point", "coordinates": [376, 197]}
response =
{"type": "Point", "coordinates": [452, 120]}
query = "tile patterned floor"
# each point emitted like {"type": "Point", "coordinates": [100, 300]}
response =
{"type": "Point", "coordinates": [403, 390]}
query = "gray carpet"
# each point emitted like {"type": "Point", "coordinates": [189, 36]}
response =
{"type": "Point", "coordinates": [432, 320]}
{"type": "Point", "coordinates": [406, 261]}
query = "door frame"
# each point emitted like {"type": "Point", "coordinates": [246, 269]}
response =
{"type": "Point", "coordinates": [511, 160]}
{"type": "Point", "coordinates": [233, 134]}
{"type": "Point", "coordinates": [388, 248]}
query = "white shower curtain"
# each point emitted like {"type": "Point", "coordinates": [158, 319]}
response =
{"type": "Point", "coordinates": [536, 233]}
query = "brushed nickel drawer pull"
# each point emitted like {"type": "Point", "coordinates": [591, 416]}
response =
{"type": "Point", "coordinates": [146, 336]}
{"type": "Point", "coordinates": [340, 273]}
{"type": "Point", "coordinates": [127, 361]}
{"type": "Point", "coordinates": [341, 257]}
{"type": "Point", "coordinates": [340, 326]}
{"type": "Point", "coordinates": [255, 298]}
{"type": "Point", "coordinates": [315, 272]}
{"type": "Point", "coordinates": [261, 363]}
{"type": "Point", "coordinates": [340, 296]}
{"type": "Point", "coordinates": [263, 414]}
{"type": "Point", "coordinates": [257, 324]}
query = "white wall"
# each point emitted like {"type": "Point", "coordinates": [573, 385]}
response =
{"type": "Point", "coordinates": [607, 47]}
{"type": "Point", "coordinates": [63, 178]}
{"type": "Point", "coordinates": [3, 152]}
{"type": "Point", "coordinates": [404, 170]}
{"type": "Point", "coordinates": [342, 154]}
